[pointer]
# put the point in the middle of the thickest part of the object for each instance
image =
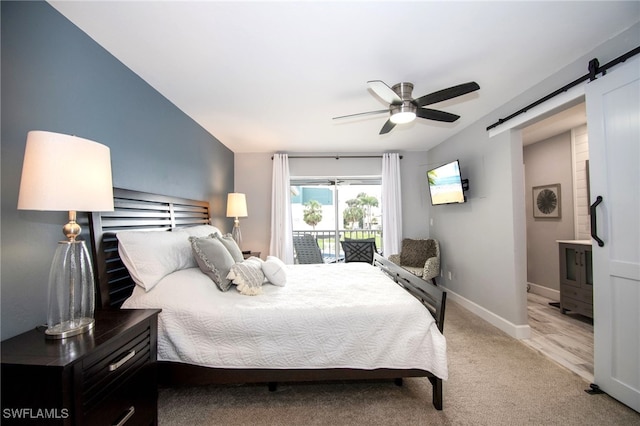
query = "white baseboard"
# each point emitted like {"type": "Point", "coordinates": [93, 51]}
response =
{"type": "Point", "coordinates": [513, 330]}
{"type": "Point", "coordinates": [543, 291]}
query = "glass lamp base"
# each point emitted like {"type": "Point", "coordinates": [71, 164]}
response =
{"type": "Point", "coordinates": [71, 293]}
{"type": "Point", "coordinates": [237, 235]}
{"type": "Point", "coordinates": [69, 328]}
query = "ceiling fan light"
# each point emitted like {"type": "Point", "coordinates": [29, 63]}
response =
{"type": "Point", "coordinates": [403, 117]}
{"type": "Point", "coordinates": [404, 113]}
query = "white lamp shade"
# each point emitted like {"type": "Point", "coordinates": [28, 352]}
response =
{"type": "Point", "coordinates": [236, 205]}
{"type": "Point", "coordinates": [65, 173]}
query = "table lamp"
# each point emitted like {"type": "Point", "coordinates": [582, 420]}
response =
{"type": "Point", "coordinates": [236, 207]}
{"type": "Point", "coordinates": [67, 173]}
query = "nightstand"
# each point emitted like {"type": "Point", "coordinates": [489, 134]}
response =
{"type": "Point", "coordinates": [105, 376]}
{"type": "Point", "coordinates": [247, 255]}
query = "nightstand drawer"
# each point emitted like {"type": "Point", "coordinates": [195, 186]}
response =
{"type": "Point", "coordinates": [105, 370]}
{"type": "Point", "coordinates": [132, 403]}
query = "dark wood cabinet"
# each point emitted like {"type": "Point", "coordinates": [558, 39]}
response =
{"type": "Point", "coordinates": [103, 377]}
{"type": "Point", "coordinates": [249, 254]}
{"type": "Point", "coordinates": [576, 278]}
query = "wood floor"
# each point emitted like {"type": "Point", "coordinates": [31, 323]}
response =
{"type": "Point", "coordinates": [566, 339]}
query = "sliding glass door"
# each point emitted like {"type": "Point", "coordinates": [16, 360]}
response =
{"type": "Point", "coordinates": [334, 208]}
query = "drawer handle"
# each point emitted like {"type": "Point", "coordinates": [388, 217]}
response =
{"type": "Point", "coordinates": [116, 365]}
{"type": "Point", "coordinates": [127, 416]}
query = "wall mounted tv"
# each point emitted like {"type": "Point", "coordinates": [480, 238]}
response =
{"type": "Point", "coordinates": [446, 186]}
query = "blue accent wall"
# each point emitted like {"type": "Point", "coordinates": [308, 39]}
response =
{"type": "Point", "coordinates": [56, 78]}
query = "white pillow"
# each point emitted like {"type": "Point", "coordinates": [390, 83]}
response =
{"type": "Point", "coordinates": [275, 271]}
{"type": "Point", "coordinates": [152, 255]}
{"type": "Point", "coordinates": [201, 231]}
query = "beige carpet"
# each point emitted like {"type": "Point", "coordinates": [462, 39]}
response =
{"type": "Point", "coordinates": [493, 380]}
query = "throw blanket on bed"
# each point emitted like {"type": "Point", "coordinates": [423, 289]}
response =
{"type": "Point", "coordinates": [348, 315]}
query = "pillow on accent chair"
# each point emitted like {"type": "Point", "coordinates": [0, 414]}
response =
{"type": "Point", "coordinates": [149, 256]}
{"type": "Point", "coordinates": [420, 257]}
{"type": "Point", "coordinates": [414, 252]}
{"type": "Point", "coordinates": [213, 259]}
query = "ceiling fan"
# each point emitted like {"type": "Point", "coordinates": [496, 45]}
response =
{"type": "Point", "coordinates": [404, 109]}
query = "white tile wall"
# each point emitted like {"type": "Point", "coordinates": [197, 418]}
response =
{"type": "Point", "coordinates": [581, 195]}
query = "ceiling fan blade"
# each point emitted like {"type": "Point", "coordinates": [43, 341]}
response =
{"type": "Point", "coordinates": [384, 91]}
{"type": "Point", "coordinates": [433, 114]}
{"type": "Point", "coordinates": [388, 126]}
{"type": "Point", "coordinates": [444, 94]}
{"type": "Point", "coordinates": [362, 113]}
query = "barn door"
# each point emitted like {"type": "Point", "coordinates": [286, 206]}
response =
{"type": "Point", "coordinates": [613, 117]}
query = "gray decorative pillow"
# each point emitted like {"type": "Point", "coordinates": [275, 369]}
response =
{"type": "Point", "coordinates": [416, 252]}
{"type": "Point", "coordinates": [248, 276]}
{"type": "Point", "coordinates": [213, 259]}
{"type": "Point", "coordinates": [231, 245]}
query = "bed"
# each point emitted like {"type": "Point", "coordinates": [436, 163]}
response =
{"type": "Point", "coordinates": [349, 294]}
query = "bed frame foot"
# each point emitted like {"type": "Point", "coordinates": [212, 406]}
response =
{"type": "Point", "coordinates": [398, 381]}
{"type": "Point", "coordinates": [273, 386]}
{"type": "Point", "coordinates": [437, 392]}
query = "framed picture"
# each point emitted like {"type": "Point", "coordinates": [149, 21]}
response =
{"type": "Point", "coordinates": [546, 201]}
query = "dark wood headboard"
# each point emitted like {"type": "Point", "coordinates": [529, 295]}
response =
{"type": "Point", "coordinates": [134, 210]}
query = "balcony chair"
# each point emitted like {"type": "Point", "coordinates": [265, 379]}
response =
{"type": "Point", "coordinates": [420, 257]}
{"type": "Point", "coordinates": [306, 249]}
{"type": "Point", "coordinates": [359, 250]}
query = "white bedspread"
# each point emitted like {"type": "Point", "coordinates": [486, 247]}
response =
{"type": "Point", "coordinates": [345, 315]}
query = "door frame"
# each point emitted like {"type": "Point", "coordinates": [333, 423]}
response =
{"type": "Point", "coordinates": [568, 99]}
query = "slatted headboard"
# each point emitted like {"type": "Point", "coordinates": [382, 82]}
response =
{"type": "Point", "coordinates": [134, 210]}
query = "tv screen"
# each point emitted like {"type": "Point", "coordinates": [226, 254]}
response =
{"type": "Point", "coordinates": [445, 184]}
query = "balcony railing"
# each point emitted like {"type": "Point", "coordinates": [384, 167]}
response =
{"type": "Point", "coordinates": [332, 252]}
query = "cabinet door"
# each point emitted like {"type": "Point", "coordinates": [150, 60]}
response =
{"type": "Point", "coordinates": [570, 257]}
{"type": "Point", "coordinates": [587, 273]}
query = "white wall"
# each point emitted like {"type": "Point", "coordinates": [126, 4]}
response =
{"type": "Point", "coordinates": [482, 241]}
{"type": "Point", "coordinates": [253, 177]}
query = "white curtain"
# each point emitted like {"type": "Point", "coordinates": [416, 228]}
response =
{"type": "Point", "coordinates": [391, 204]}
{"type": "Point", "coordinates": [281, 244]}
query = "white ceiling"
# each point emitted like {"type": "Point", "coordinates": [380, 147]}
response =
{"type": "Point", "coordinates": [558, 123]}
{"type": "Point", "coordinates": [269, 76]}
